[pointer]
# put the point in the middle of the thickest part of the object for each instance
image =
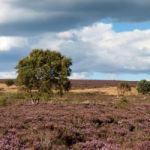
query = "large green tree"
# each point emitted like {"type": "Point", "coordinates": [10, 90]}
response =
{"type": "Point", "coordinates": [43, 71]}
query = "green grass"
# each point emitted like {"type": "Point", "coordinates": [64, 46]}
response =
{"type": "Point", "coordinates": [10, 98]}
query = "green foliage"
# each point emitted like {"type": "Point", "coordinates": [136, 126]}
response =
{"type": "Point", "coordinates": [43, 71]}
{"type": "Point", "coordinates": [9, 82]}
{"type": "Point", "coordinates": [3, 100]}
{"type": "Point", "coordinates": [123, 88]}
{"type": "Point", "coordinates": [11, 98]}
{"type": "Point", "coordinates": [143, 87]}
{"type": "Point", "coordinates": [122, 102]}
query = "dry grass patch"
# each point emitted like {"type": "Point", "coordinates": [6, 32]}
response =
{"type": "Point", "coordinates": [104, 90]}
{"type": "Point", "coordinates": [5, 88]}
{"type": "Point", "coordinates": [112, 90]}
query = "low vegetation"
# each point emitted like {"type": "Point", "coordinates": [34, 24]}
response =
{"type": "Point", "coordinates": [63, 126]}
{"type": "Point", "coordinates": [9, 82]}
{"type": "Point", "coordinates": [75, 121]}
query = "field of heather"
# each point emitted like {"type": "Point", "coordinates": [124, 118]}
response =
{"type": "Point", "coordinates": [87, 121]}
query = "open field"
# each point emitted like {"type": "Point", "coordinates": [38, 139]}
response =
{"type": "Point", "coordinates": [81, 84]}
{"type": "Point", "coordinates": [5, 88]}
{"type": "Point", "coordinates": [107, 87]}
{"type": "Point", "coordinates": [76, 126]}
{"type": "Point", "coordinates": [105, 90]}
{"type": "Point", "coordinates": [90, 84]}
{"type": "Point", "coordinates": [83, 119]}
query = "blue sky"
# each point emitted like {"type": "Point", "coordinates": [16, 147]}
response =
{"type": "Point", "coordinates": [128, 26]}
{"type": "Point", "coordinates": [106, 39]}
{"type": "Point", "coordinates": [131, 26]}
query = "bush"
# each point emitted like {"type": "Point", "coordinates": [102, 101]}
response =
{"type": "Point", "coordinates": [9, 82]}
{"type": "Point", "coordinates": [3, 101]}
{"type": "Point", "coordinates": [10, 98]}
{"type": "Point", "coordinates": [123, 88]}
{"type": "Point", "coordinates": [143, 87]}
{"type": "Point", "coordinates": [122, 102]}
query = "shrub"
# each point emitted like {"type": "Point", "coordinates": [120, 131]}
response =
{"type": "Point", "coordinates": [10, 98]}
{"type": "Point", "coordinates": [69, 138]}
{"type": "Point", "coordinates": [143, 87]}
{"type": "Point", "coordinates": [9, 82]}
{"type": "Point", "coordinates": [17, 96]}
{"type": "Point", "coordinates": [122, 102]}
{"type": "Point", "coordinates": [3, 101]}
{"type": "Point", "coordinates": [123, 88]}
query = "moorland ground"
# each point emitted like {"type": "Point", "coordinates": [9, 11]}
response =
{"type": "Point", "coordinates": [88, 119]}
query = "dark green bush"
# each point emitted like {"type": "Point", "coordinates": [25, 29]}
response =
{"type": "Point", "coordinates": [143, 87]}
{"type": "Point", "coordinates": [9, 82]}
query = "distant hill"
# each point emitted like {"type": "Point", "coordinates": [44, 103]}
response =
{"type": "Point", "coordinates": [93, 83]}
{"type": "Point", "coordinates": [98, 83]}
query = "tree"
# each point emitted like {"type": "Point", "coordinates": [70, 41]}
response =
{"type": "Point", "coordinates": [143, 87]}
{"type": "Point", "coordinates": [122, 88]}
{"type": "Point", "coordinates": [43, 71]}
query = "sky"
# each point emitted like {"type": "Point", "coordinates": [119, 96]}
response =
{"type": "Point", "coordinates": [106, 39]}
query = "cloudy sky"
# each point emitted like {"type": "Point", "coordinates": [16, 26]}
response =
{"type": "Point", "coordinates": [107, 39]}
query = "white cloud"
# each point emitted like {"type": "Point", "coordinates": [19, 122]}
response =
{"type": "Point", "coordinates": [8, 75]}
{"type": "Point", "coordinates": [7, 43]}
{"type": "Point", "coordinates": [98, 48]}
{"type": "Point", "coordinates": [81, 75]}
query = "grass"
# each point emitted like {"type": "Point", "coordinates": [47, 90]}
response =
{"type": "Point", "coordinates": [75, 98]}
{"type": "Point", "coordinates": [112, 90]}
{"type": "Point", "coordinates": [5, 88]}
{"type": "Point", "coordinates": [122, 102]}
{"type": "Point", "coordinates": [104, 90]}
{"type": "Point", "coordinates": [7, 98]}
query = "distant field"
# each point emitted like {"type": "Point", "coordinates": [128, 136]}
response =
{"type": "Point", "coordinates": [98, 83]}
{"type": "Point", "coordinates": [110, 90]}
{"type": "Point", "coordinates": [93, 83]}
{"type": "Point", "coordinates": [107, 90]}
{"type": "Point", "coordinates": [5, 88]}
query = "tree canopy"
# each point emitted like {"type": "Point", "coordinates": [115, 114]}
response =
{"type": "Point", "coordinates": [42, 71]}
